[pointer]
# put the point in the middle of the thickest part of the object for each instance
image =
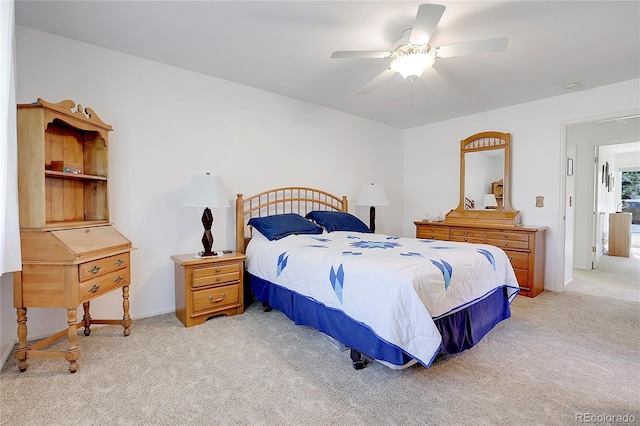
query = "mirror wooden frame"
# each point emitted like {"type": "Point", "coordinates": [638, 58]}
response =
{"type": "Point", "coordinates": [507, 216]}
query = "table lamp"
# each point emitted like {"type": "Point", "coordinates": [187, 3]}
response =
{"type": "Point", "coordinates": [206, 191]}
{"type": "Point", "coordinates": [372, 195]}
{"type": "Point", "coordinates": [490, 201]}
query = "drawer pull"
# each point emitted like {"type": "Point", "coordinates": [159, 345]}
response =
{"type": "Point", "coordinates": [117, 279]}
{"type": "Point", "coordinates": [506, 243]}
{"type": "Point", "coordinates": [118, 262]}
{"type": "Point", "coordinates": [217, 300]}
{"type": "Point", "coordinates": [94, 288]}
{"type": "Point", "coordinates": [95, 269]}
{"type": "Point", "coordinates": [217, 269]}
{"type": "Point", "coordinates": [506, 235]}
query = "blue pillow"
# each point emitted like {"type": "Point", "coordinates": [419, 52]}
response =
{"type": "Point", "coordinates": [338, 221]}
{"type": "Point", "coordinates": [280, 225]}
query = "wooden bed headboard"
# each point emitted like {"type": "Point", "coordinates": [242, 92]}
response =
{"type": "Point", "coordinates": [292, 199]}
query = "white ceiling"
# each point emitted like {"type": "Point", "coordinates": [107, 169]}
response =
{"type": "Point", "coordinates": [284, 47]}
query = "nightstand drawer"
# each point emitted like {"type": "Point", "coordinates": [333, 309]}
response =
{"type": "Point", "coordinates": [216, 275]}
{"type": "Point", "coordinates": [90, 270]}
{"type": "Point", "coordinates": [215, 298]}
{"type": "Point", "coordinates": [90, 289]}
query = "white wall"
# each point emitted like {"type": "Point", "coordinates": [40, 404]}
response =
{"type": "Point", "coordinates": [169, 124]}
{"type": "Point", "coordinates": [431, 160]}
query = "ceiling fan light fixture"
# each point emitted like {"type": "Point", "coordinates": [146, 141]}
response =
{"type": "Point", "coordinates": [411, 65]}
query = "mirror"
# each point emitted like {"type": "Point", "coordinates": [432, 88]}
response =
{"type": "Point", "coordinates": [485, 181]}
{"type": "Point", "coordinates": [484, 173]}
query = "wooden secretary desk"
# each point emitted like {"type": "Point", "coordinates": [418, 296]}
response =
{"type": "Point", "coordinates": [71, 254]}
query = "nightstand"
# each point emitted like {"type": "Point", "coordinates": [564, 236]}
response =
{"type": "Point", "coordinates": [209, 286]}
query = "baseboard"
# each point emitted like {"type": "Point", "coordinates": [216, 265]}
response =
{"type": "Point", "coordinates": [9, 351]}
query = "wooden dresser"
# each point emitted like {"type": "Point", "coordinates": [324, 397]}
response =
{"type": "Point", "coordinates": [71, 254]}
{"type": "Point", "coordinates": [524, 245]}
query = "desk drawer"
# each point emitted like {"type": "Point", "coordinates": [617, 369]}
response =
{"type": "Point", "coordinates": [96, 287]}
{"type": "Point", "coordinates": [96, 268]}
{"type": "Point", "coordinates": [215, 298]}
{"type": "Point", "coordinates": [216, 275]}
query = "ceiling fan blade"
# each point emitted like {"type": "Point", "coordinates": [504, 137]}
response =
{"type": "Point", "coordinates": [427, 19]}
{"type": "Point", "coordinates": [473, 47]}
{"type": "Point", "coordinates": [359, 54]}
{"type": "Point", "coordinates": [379, 79]}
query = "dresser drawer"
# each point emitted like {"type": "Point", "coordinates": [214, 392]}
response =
{"type": "Point", "coordinates": [507, 236]}
{"type": "Point", "coordinates": [518, 259]}
{"type": "Point", "coordinates": [216, 275]}
{"type": "Point", "coordinates": [96, 268]}
{"type": "Point", "coordinates": [96, 287]}
{"type": "Point", "coordinates": [504, 244]}
{"type": "Point", "coordinates": [215, 298]}
{"type": "Point", "coordinates": [467, 240]}
{"type": "Point", "coordinates": [432, 232]}
{"type": "Point", "coordinates": [522, 276]}
{"type": "Point", "coordinates": [467, 235]}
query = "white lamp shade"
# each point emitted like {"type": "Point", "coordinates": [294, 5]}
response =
{"type": "Point", "coordinates": [372, 195]}
{"type": "Point", "coordinates": [206, 190]}
{"type": "Point", "coordinates": [412, 65]}
{"type": "Point", "coordinates": [490, 200]}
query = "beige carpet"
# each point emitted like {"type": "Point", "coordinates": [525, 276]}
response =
{"type": "Point", "coordinates": [562, 356]}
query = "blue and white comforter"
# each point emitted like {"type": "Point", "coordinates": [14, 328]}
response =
{"type": "Point", "coordinates": [396, 286]}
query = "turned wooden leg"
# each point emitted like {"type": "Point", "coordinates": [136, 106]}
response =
{"type": "Point", "coordinates": [86, 318]}
{"type": "Point", "coordinates": [73, 353]}
{"type": "Point", "coordinates": [21, 352]}
{"type": "Point", "coordinates": [126, 319]}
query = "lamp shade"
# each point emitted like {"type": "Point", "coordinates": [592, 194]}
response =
{"type": "Point", "coordinates": [372, 195]}
{"type": "Point", "coordinates": [490, 201]}
{"type": "Point", "coordinates": [206, 190]}
{"type": "Point", "coordinates": [412, 65]}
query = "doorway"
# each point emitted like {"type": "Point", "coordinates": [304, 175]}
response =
{"type": "Point", "coordinates": [585, 142]}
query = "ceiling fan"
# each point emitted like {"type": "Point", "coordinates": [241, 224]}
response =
{"type": "Point", "coordinates": [412, 54]}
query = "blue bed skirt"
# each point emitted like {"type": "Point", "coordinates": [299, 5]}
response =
{"type": "Point", "coordinates": [460, 330]}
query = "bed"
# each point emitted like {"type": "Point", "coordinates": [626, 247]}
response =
{"type": "Point", "coordinates": [396, 300]}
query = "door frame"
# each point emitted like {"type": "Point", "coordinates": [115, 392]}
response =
{"type": "Point", "coordinates": [564, 277]}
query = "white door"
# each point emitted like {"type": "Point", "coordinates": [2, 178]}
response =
{"type": "Point", "coordinates": [599, 213]}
